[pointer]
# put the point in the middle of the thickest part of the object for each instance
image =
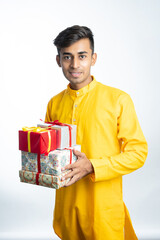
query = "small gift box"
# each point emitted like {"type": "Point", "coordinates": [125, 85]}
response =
{"type": "Point", "coordinates": [50, 164]}
{"type": "Point", "coordinates": [66, 133]}
{"type": "Point", "coordinates": [42, 179]}
{"type": "Point", "coordinates": [37, 140]}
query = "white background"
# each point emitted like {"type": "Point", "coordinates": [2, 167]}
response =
{"type": "Point", "coordinates": [127, 41]}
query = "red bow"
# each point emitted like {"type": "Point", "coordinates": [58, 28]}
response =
{"type": "Point", "coordinates": [56, 122]}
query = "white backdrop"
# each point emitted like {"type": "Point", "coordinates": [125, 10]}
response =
{"type": "Point", "coordinates": [127, 41]}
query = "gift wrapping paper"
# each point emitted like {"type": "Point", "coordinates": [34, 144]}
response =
{"type": "Point", "coordinates": [63, 136]}
{"type": "Point", "coordinates": [37, 142]}
{"type": "Point", "coordinates": [51, 163]}
{"type": "Point", "coordinates": [43, 179]}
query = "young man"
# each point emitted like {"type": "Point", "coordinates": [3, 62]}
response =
{"type": "Point", "coordinates": [91, 206]}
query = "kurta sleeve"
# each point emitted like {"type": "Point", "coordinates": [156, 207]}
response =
{"type": "Point", "coordinates": [132, 141]}
{"type": "Point", "coordinates": [47, 117]}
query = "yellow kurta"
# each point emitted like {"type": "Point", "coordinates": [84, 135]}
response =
{"type": "Point", "coordinates": [110, 135]}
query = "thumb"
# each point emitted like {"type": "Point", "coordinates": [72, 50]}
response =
{"type": "Point", "coordinates": [77, 153]}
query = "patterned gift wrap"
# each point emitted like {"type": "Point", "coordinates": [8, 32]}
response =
{"type": "Point", "coordinates": [50, 164]}
{"type": "Point", "coordinates": [43, 179]}
{"type": "Point", "coordinates": [63, 137]}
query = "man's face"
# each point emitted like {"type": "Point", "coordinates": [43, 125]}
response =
{"type": "Point", "coordinates": [76, 61]}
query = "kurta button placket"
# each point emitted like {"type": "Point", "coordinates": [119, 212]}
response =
{"type": "Point", "coordinates": [74, 115]}
{"type": "Point", "coordinates": [75, 105]}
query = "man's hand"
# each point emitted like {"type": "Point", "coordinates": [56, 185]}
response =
{"type": "Point", "coordinates": [79, 169]}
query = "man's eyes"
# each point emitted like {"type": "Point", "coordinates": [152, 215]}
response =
{"type": "Point", "coordinates": [67, 57]}
{"type": "Point", "coordinates": [70, 57]}
{"type": "Point", "coordinates": [82, 56]}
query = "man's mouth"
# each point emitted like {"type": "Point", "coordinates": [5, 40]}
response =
{"type": "Point", "coordinates": [75, 74]}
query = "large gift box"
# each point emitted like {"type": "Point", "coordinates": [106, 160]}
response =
{"type": "Point", "coordinates": [37, 140]}
{"type": "Point", "coordinates": [42, 179]}
{"type": "Point", "coordinates": [66, 133]}
{"type": "Point", "coordinates": [51, 163]}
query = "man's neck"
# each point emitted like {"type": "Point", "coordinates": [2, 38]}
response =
{"type": "Point", "coordinates": [78, 86]}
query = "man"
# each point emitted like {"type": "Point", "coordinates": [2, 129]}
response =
{"type": "Point", "coordinates": [91, 206]}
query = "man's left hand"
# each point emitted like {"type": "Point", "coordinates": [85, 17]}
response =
{"type": "Point", "coordinates": [79, 169]}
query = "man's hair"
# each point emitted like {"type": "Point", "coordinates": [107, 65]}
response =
{"type": "Point", "coordinates": [71, 35]}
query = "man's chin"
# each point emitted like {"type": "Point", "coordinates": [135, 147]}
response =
{"type": "Point", "coordinates": [75, 79]}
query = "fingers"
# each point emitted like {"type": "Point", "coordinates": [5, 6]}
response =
{"type": "Point", "coordinates": [74, 179]}
{"type": "Point", "coordinates": [68, 175]}
{"type": "Point", "coordinates": [73, 175]}
{"type": "Point", "coordinates": [78, 153]}
{"type": "Point", "coordinates": [69, 166]}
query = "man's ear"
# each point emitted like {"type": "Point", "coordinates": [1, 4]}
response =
{"type": "Point", "coordinates": [58, 60]}
{"type": "Point", "coordinates": [94, 58]}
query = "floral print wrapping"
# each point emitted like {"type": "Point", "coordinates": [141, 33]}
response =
{"type": "Point", "coordinates": [43, 179]}
{"type": "Point", "coordinates": [50, 164]}
{"type": "Point", "coordinates": [29, 161]}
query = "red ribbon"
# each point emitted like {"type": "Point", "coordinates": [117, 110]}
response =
{"type": "Point", "coordinates": [70, 154]}
{"type": "Point", "coordinates": [56, 122]}
{"type": "Point", "coordinates": [39, 168]}
{"type": "Point", "coordinates": [37, 178]}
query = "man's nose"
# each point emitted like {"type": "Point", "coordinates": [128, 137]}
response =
{"type": "Point", "coordinates": [75, 63]}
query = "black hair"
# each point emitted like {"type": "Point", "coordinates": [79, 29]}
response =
{"type": "Point", "coordinates": [71, 35]}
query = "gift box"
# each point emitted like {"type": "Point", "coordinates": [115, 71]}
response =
{"type": "Point", "coordinates": [42, 179]}
{"type": "Point", "coordinates": [66, 133]}
{"type": "Point", "coordinates": [51, 163]}
{"type": "Point", "coordinates": [37, 140]}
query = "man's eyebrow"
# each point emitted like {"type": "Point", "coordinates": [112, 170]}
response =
{"type": "Point", "coordinates": [68, 53]}
{"type": "Point", "coordinates": [82, 52]}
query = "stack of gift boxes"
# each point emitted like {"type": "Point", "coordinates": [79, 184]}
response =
{"type": "Point", "coordinates": [45, 149]}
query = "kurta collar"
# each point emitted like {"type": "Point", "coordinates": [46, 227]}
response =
{"type": "Point", "coordinates": [82, 91]}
